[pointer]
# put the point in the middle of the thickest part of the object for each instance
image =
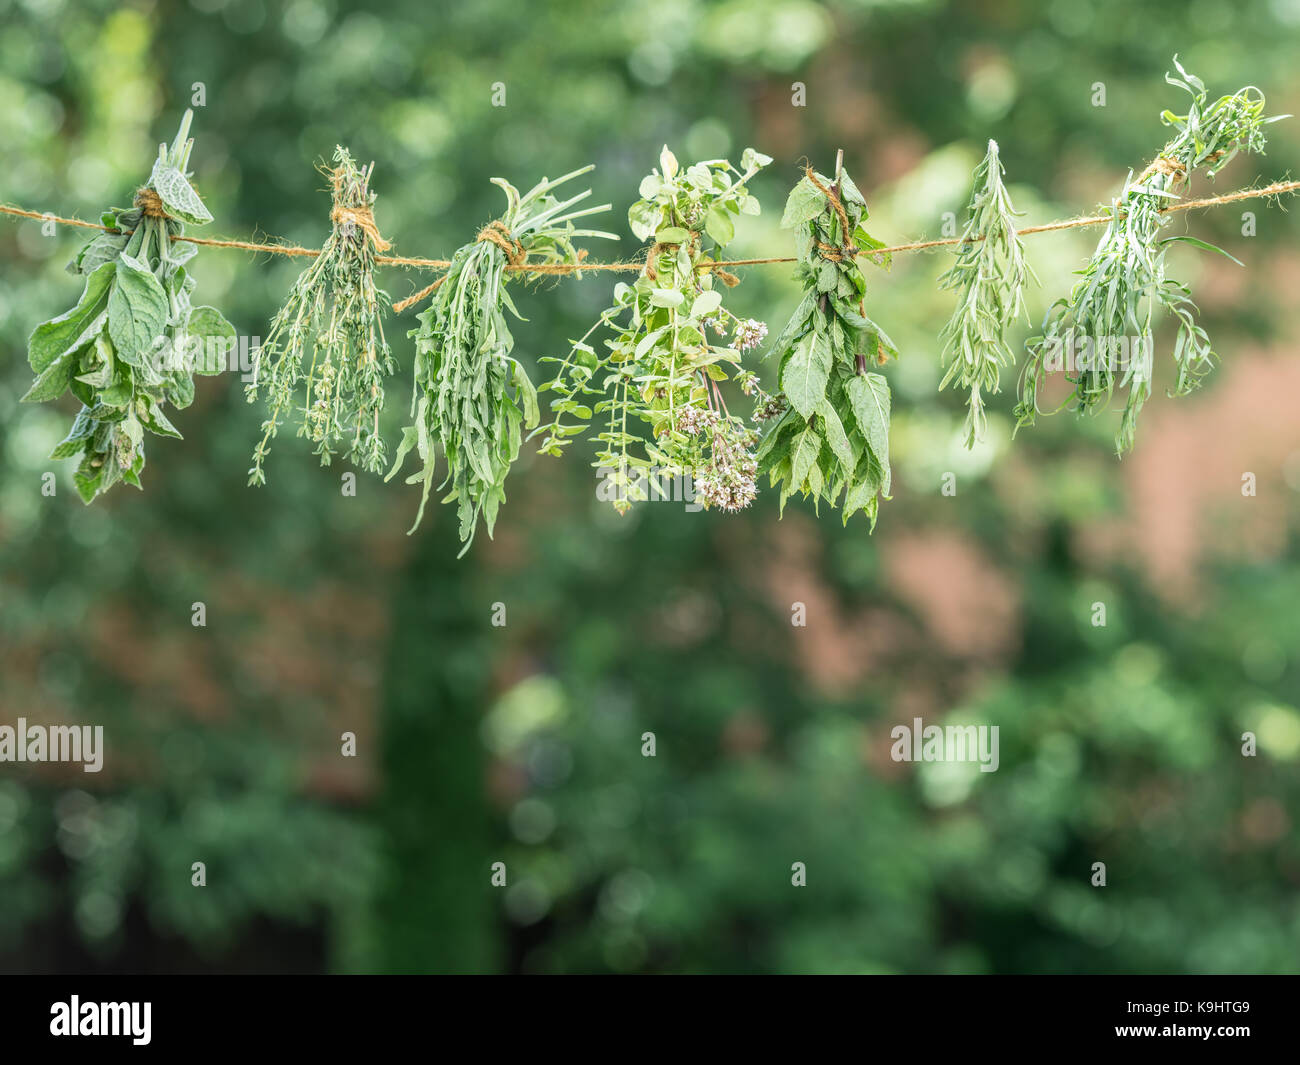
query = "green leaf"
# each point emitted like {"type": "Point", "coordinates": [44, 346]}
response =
{"type": "Point", "coordinates": [719, 226]}
{"type": "Point", "coordinates": [137, 310]}
{"type": "Point", "coordinates": [861, 496]}
{"type": "Point", "coordinates": [1204, 245]}
{"type": "Point", "coordinates": [105, 248]}
{"type": "Point", "coordinates": [157, 422]}
{"type": "Point", "coordinates": [673, 235]}
{"type": "Point", "coordinates": [806, 449]}
{"type": "Point", "coordinates": [803, 378]}
{"type": "Point", "coordinates": [528, 395]}
{"type": "Point", "coordinates": [706, 303]}
{"type": "Point", "coordinates": [177, 195]}
{"type": "Point", "coordinates": [666, 297]}
{"type": "Point", "coordinates": [869, 398]}
{"type": "Point", "coordinates": [836, 436]}
{"type": "Point", "coordinates": [53, 380]}
{"type": "Point", "coordinates": [803, 205]}
{"type": "Point", "coordinates": [180, 393]}
{"type": "Point", "coordinates": [642, 218]}
{"type": "Point", "coordinates": [89, 477]}
{"type": "Point", "coordinates": [849, 193]}
{"type": "Point", "coordinates": [209, 324]}
{"type": "Point", "coordinates": [51, 339]}
{"type": "Point", "coordinates": [82, 427]}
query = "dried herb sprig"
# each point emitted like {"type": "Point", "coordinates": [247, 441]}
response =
{"type": "Point", "coordinates": [659, 369]}
{"type": "Point", "coordinates": [833, 438]}
{"type": "Point", "coordinates": [989, 275]}
{"type": "Point", "coordinates": [328, 338]}
{"type": "Point", "coordinates": [1101, 335]}
{"type": "Point", "coordinates": [463, 404]}
{"type": "Point", "coordinates": [133, 342]}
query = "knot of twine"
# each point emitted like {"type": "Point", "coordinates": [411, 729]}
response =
{"type": "Point", "coordinates": [830, 252]}
{"type": "Point", "coordinates": [498, 233]}
{"type": "Point", "coordinates": [658, 248]}
{"type": "Point", "coordinates": [362, 218]}
{"type": "Point", "coordinates": [516, 254]}
{"type": "Point", "coordinates": [1167, 165]}
{"type": "Point", "coordinates": [150, 203]}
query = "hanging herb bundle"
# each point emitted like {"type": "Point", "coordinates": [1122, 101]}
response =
{"type": "Point", "coordinates": [328, 338]}
{"type": "Point", "coordinates": [832, 437]}
{"type": "Point", "coordinates": [1101, 334]}
{"type": "Point", "coordinates": [989, 275]}
{"type": "Point", "coordinates": [133, 341]}
{"type": "Point", "coordinates": [659, 369]}
{"type": "Point", "coordinates": [471, 396]}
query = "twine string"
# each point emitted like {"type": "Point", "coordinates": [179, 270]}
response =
{"type": "Point", "coordinates": [719, 267]}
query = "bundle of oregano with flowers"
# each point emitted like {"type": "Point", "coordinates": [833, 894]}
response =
{"type": "Point", "coordinates": [657, 382]}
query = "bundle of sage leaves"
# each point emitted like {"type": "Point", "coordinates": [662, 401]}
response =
{"type": "Point", "coordinates": [133, 341]}
{"type": "Point", "coordinates": [472, 398]}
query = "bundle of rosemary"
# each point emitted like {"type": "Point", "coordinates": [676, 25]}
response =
{"type": "Point", "coordinates": [471, 397]}
{"type": "Point", "coordinates": [328, 338]}
{"type": "Point", "coordinates": [1101, 335]}
{"type": "Point", "coordinates": [832, 437]}
{"type": "Point", "coordinates": [133, 341]}
{"type": "Point", "coordinates": [989, 275]}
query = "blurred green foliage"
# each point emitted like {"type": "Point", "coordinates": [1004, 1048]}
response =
{"type": "Point", "coordinates": [522, 744]}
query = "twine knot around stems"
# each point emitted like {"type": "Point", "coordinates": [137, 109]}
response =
{"type": "Point", "coordinates": [1164, 164]}
{"type": "Point", "coordinates": [362, 218]}
{"type": "Point", "coordinates": [659, 248]}
{"type": "Point", "coordinates": [847, 250]}
{"type": "Point", "coordinates": [498, 233]}
{"type": "Point", "coordinates": [150, 203]}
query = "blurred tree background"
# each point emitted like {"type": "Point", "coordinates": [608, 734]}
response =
{"type": "Point", "coordinates": [522, 744]}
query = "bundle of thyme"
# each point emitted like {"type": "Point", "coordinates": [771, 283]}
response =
{"type": "Point", "coordinates": [989, 274]}
{"type": "Point", "coordinates": [133, 341]}
{"type": "Point", "coordinates": [659, 368]}
{"type": "Point", "coordinates": [1109, 316]}
{"type": "Point", "coordinates": [832, 438]}
{"type": "Point", "coordinates": [328, 338]}
{"type": "Point", "coordinates": [463, 404]}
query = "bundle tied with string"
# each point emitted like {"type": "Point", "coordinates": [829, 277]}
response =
{"type": "Point", "coordinates": [1125, 284]}
{"type": "Point", "coordinates": [326, 354]}
{"type": "Point", "coordinates": [472, 398]}
{"type": "Point", "coordinates": [828, 437]}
